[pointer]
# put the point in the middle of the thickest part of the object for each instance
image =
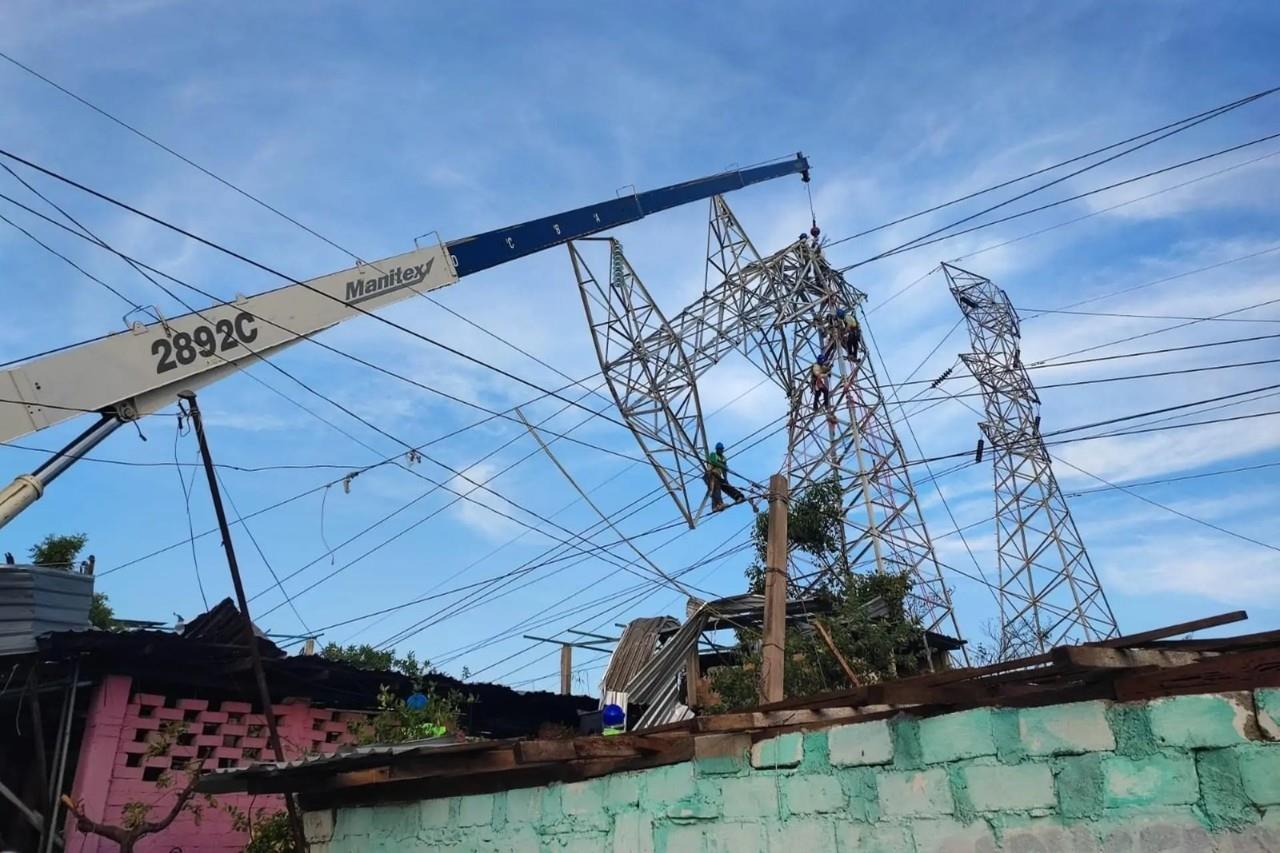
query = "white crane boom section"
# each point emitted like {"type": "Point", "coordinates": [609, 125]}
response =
{"type": "Point", "coordinates": [142, 369]}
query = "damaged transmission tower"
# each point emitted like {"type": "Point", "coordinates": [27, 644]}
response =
{"type": "Point", "coordinates": [1048, 591]}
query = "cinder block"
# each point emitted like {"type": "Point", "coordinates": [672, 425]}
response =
{"type": "Point", "coordinates": [1049, 835]}
{"type": "Point", "coordinates": [753, 797]}
{"type": "Point", "coordinates": [871, 838]}
{"type": "Point", "coordinates": [782, 751]}
{"type": "Point", "coordinates": [317, 826]}
{"type": "Point", "coordinates": [811, 835]}
{"type": "Point", "coordinates": [622, 791]}
{"type": "Point", "coordinates": [192, 704]}
{"type": "Point", "coordinates": [433, 814]}
{"type": "Point", "coordinates": [1066, 729]}
{"type": "Point", "coordinates": [524, 805]}
{"type": "Point", "coordinates": [1079, 786]}
{"type": "Point", "coordinates": [356, 822]}
{"type": "Point", "coordinates": [680, 838]}
{"type": "Point", "coordinates": [669, 784]}
{"type": "Point", "coordinates": [950, 737]}
{"type": "Point", "coordinates": [1019, 788]}
{"type": "Point", "coordinates": [147, 699]}
{"type": "Point", "coordinates": [1268, 704]}
{"type": "Point", "coordinates": [169, 714]}
{"type": "Point", "coordinates": [810, 794]}
{"type": "Point", "coordinates": [915, 792]}
{"type": "Point", "coordinates": [475, 810]}
{"type": "Point", "coordinates": [860, 743]}
{"type": "Point", "coordinates": [1195, 722]}
{"type": "Point", "coordinates": [947, 836]}
{"type": "Point", "coordinates": [1260, 772]}
{"type": "Point", "coordinates": [235, 707]}
{"type": "Point", "coordinates": [737, 838]}
{"type": "Point", "coordinates": [580, 798]}
{"type": "Point", "coordinates": [721, 754]}
{"type": "Point", "coordinates": [1153, 780]}
{"type": "Point", "coordinates": [211, 717]}
{"type": "Point", "coordinates": [632, 833]}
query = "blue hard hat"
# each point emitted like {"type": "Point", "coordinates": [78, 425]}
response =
{"type": "Point", "coordinates": [613, 715]}
{"type": "Point", "coordinates": [719, 447]}
{"type": "Point", "coordinates": [840, 312]}
{"type": "Point", "coordinates": [822, 359]}
{"type": "Point", "coordinates": [416, 701]}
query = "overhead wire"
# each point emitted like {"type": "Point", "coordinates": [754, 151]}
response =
{"type": "Point", "coordinates": [1205, 115]}
{"type": "Point", "coordinates": [438, 484]}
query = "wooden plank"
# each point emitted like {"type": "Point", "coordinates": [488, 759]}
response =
{"type": "Point", "coordinates": [1101, 657]}
{"type": "Point", "coordinates": [1240, 671]}
{"type": "Point", "coordinates": [1170, 630]}
{"type": "Point", "coordinates": [1221, 644]}
{"type": "Point", "coordinates": [531, 751]}
{"type": "Point", "coordinates": [411, 790]}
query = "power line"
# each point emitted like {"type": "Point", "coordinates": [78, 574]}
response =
{"type": "Point", "coordinates": [1166, 480]}
{"type": "Point", "coordinates": [1113, 207]}
{"type": "Point", "coordinates": [1189, 121]}
{"type": "Point", "coordinates": [924, 240]}
{"type": "Point", "coordinates": [348, 411]}
{"type": "Point", "coordinates": [1102, 380]}
{"type": "Point", "coordinates": [1039, 311]}
{"type": "Point", "coordinates": [272, 271]}
{"type": "Point", "coordinates": [1170, 509]}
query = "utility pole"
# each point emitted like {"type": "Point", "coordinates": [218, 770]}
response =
{"type": "Point", "coordinates": [566, 669]}
{"type": "Point", "coordinates": [255, 654]}
{"type": "Point", "coordinates": [775, 592]}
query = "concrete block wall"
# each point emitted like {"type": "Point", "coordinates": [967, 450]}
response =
{"type": "Point", "coordinates": [1188, 773]}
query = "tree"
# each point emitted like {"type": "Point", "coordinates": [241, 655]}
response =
{"type": "Point", "coordinates": [869, 621]}
{"type": "Point", "coordinates": [367, 657]}
{"type": "Point", "coordinates": [58, 551]}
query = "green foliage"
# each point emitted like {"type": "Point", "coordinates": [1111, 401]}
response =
{"type": "Point", "coordinates": [58, 552]}
{"type": "Point", "coordinates": [366, 656]}
{"type": "Point", "coordinates": [886, 646]}
{"type": "Point", "coordinates": [101, 614]}
{"type": "Point", "coordinates": [269, 833]}
{"type": "Point", "coordinates": [396, 722]}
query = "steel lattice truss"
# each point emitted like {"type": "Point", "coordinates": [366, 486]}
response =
{"type": "Point", "coordinates": [775, 311]}
{"type": "Point", "coordinates": [1049, 593]}
{"type": "Point", "coordinates": [645, 367]}
{"type": "Point", "coordinates": [853, 441]}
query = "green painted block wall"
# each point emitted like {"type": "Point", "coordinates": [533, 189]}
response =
{"type": "Point", "coordinates": [1185, 773]}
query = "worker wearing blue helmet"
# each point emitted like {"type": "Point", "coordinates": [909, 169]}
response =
{"type": "Point", "coordinates": [717, 479]}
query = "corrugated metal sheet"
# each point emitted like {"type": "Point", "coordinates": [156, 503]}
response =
{"type": "Point", "coordinates": [35, 601]}
{"type": "Point", "coordinates": [635, 647]}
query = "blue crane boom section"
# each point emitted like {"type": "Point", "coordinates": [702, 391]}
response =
{"type": "Point", "coordinates": [482, 251]}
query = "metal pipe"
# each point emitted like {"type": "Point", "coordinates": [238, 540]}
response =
{"type": "Point", "coordinates": [251, 639]}
{"type": "Point", "coordinates": [60, 759]}
{"type": "Point", "coordinates": [26, 489]}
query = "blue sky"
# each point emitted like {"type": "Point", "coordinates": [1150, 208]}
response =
{"type": "Point", "coordinates": [375, 124]}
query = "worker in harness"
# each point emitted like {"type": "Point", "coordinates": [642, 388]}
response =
{"type": "Point", "coordinates": [850, 333]}
{"type": "Point", "coordinates": [717, 479]}
{"type": "Point", "coordinates": [818, 375]}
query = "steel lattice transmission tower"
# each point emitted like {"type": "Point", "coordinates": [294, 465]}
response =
{"type": "Point", "coordinates": [644, 365]}
{"type": "Point", "coordinates": [1049, 593]}
{"type": "Point", "coordinates": [775, 311]}
{"type": "Point", "coordinates": [852, 442]}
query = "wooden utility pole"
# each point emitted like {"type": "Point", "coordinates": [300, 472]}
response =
{"type": "Point", "coordinates": [775, 592]}
{"type": "Point", "coordinates": [251, 639]}
{"type": "Point", "coordinates": [566, 669]}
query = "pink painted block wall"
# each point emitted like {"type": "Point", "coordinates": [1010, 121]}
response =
{"type": "Point", "coordinates": [113, 769]}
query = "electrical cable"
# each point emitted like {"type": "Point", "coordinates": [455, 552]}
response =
{"type": "Point", "coordinates": [1207, 114]}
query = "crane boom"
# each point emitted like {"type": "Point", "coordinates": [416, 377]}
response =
{"type": "Point", "coordinates": [141, 369]}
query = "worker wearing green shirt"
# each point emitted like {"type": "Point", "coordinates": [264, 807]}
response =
{"type": "Point", "coordinates": [717, 479]}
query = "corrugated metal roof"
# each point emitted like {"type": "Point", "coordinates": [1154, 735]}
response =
{"type": "Point", "coordinates": [36, 600]}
